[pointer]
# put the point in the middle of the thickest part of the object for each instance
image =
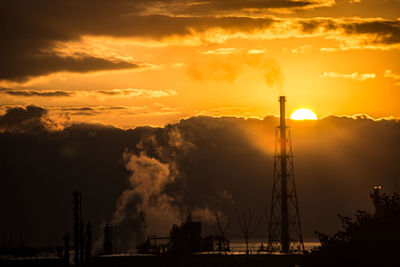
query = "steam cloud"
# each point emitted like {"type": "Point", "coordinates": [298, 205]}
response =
{"type": "Point", "coordinates": [227, 66]}
{"type": "Point", "coordinates": [148, 206]}
{"type": "Point", "coordinates": [144, 207]}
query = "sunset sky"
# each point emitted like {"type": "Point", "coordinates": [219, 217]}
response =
{"type": "Point", "coordinates": [137, 62]}
{"type": "Point", "coordinates": [77, 78]}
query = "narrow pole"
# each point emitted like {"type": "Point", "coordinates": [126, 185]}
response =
{"type": "Point", "coordinates": [284, 195]}
{"type": "Point", "coordinates": [77, 225]}
{"type": "Point", "coordinates": [81, 242]}
{"type": "Point", "coordinates": [66, 248]}
{"type": "Point", "coordinates": [88, 241]}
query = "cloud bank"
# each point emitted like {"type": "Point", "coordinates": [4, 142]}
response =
{"type": "Point", "coordinates": [146, 178]}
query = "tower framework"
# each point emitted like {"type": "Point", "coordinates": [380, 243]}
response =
{"type": "Point", "coordinates": [284, 228]}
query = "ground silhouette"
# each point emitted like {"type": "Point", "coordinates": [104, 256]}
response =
{"type": "Point", "coordinates": [368, 239]}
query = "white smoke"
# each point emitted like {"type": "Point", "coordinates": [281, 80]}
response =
{"type": "Point", "coordinates": [144, 207]}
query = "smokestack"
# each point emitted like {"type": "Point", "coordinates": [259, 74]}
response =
{"type": "Point", "coordinates": [285, 242]}
{"type": "Point", "coordinates": [282, 100]}
{"type": "Point", "coordinates": [108, 239]}
{"type": "Point", "coordinates": [77, 213]}
{"type": "Point", "coordinates": [88, 241]}
{"type": "Point", "coordinates": [81, 241]}
{"type": "Point", "coordinates": [66, 247]}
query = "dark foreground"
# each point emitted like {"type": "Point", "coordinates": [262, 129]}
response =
{"type": "Point", "coordinates": [200, 260]}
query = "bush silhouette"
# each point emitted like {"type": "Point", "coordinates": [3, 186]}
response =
{"type": "Point", "coordinates": [368, 239]}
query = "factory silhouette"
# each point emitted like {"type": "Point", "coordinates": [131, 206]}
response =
{"type": "Point", "coordinates": [186, 245]}
{"type": "Point", "coordinates": [285, 236]}
{"type": "Point", "coordinates": [183, 239]}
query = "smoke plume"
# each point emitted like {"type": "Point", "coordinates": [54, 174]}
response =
{"type": "Point", "coordinates": [228, 66]}
{"type": "Point", "coordinates": [144, 207]}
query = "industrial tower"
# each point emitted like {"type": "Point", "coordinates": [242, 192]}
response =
{"type": "Point", "coordinates": [78, 234]}
{"type": "Point", "coordinates": [284, 223]}
{"type": "Point", "coordinates": [82, 239]}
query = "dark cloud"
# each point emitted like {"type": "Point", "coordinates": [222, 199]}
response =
{"type": "Point", "coordinates": [310, 26]}
{"type": "Point", "coordinates": [205, 7]}
{"type": "Point", "coordinates": [90, 111]}
{"type": "Point", "coordinates": [109, 92]}
{"type": "Point", "coordinates": [388, 32]}
{"type": "Point", "coordinates": [384, 32]}
{"type": "Point", "coordinates": [25, 119]}
{"type": "Point", "coordinates": [83, 111]}
{"type": "Point", "coordinates": [364, 8]}
{"type": "Point", "coordinates": [30, 31]}
{"type": "Point", "coordinates": [214, 163]}
{"type": "Point", "coordinates": [113, 108]}
{"type": "Point", "coordinates": [30, 93]}
{"type": "Point", "coordinates": [21, 67]}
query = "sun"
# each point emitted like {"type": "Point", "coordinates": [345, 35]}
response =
{"type": "Point", "coordinates": [303, 114]}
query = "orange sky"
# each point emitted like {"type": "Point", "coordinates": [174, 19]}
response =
{"type": "Point", "coordinates": [154, 62]}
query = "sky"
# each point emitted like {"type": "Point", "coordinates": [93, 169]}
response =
{"type": "Point", "coordinates": [134, 62]}
{"type": "Point", "coordinates": [153, 109]}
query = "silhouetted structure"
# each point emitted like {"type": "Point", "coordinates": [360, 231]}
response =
{"type": "Point", "coordinates": [82, 233]}
{"type": "Point", "coordinates": [376, 196]}
{"type": "Point", "coordinates": [66, 247]}
{"type": "Point", "coordinates": [81, 241]}
{"type": "Point", "coordinates": [88, 248]}
{"type": "Point", "coordinates": [78, 235]}
{"type": "Point", "coordinates": [107, 239]}
{"type": "Point", "coordinates": [187, 237]}
{"type": "Point", "coordinates": [184, 239]}
{"type": "Point", "coordinates": [285, 233]}
{"type": "Point", "coordinates": [154, 245]}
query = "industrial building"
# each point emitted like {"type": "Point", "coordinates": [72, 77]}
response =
{"type": "Point", "coordinates": [183, 239]}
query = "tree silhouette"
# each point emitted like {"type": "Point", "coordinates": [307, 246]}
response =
{"type": "Point", "coordinates": [222, 226]}
{"type": "Point", "coordinates": [247, 226]}
{"type": "Point", "coordinates": [370, 239]}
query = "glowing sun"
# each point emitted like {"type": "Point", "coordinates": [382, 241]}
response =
{"type": "Point", "coordinates": [303, 114]}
